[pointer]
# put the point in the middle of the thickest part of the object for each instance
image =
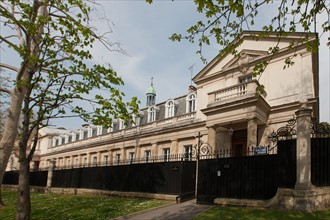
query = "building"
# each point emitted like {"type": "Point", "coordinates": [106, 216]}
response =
{"type": "Point", "coordinates": [222, 107]}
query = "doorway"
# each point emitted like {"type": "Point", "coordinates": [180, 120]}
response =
{"type": "Point", "coordinates": [239, 143]}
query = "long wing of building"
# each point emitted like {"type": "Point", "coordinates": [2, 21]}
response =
{"type": "Point", "coordinates": [222, 107]}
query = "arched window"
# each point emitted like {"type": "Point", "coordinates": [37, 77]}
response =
{"type": "Point", "coordinates": [169, 109]}
{"type": "Point", "coordinates": [151, 114]}
{"type": "Point", "coordinates": [191, 103]}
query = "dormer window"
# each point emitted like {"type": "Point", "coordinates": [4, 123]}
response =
{"type": "Point", "coordinates": [191, 103]}
{"type": "Point", "coordinates": [169, 109]}
{"type": "Point", "coordinates": [245, 79]}
{"type": "Point", "coordinates": [135, 120]}
{"type": "Point", "coordinates": [121, 124]}
{"type": "Point", "coordinates": [151, 114]}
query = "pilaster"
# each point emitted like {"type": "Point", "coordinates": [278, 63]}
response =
{"type": "Point", "coordinates": [175, 146]}
{"type": "Point", "coordinates": [211, 137]}
{"type": "Point", "coordinates": [252, 128]}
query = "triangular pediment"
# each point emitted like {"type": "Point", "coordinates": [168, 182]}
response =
{"type": "Point", "coordinates": [252, 47]}
{"type": "Point", "coordinates": [244, 58]}
{"type": "Point", "coordinates": [230, 61]}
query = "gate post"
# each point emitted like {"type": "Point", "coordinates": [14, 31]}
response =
{"type": "Point", "coordinates": [303, 148]}
{"type": "Point", "coordinates": [50, 172]}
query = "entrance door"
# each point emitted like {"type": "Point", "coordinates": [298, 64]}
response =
{"type": "Point", "coordinates": [238, 150]}
{"type": "Point", "coordinates": [239, 143]}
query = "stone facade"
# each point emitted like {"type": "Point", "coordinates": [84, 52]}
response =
{"type": "Point", "coordinates": [222, 107]}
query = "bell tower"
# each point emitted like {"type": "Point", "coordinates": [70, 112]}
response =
{"type": "Point", "coordinates": [151, 94]}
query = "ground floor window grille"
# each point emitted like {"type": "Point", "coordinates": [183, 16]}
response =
{"type": "Point", "coordinates": [94, 161]}
{"type": "Point", "coordinates": [187, 154]}
{"type": "Point", "coordinates": [166, 153]}
{"type": "Point", "coordinates": [147, 155]}
{"type": "Point", "coordinates": [117, 159]}
{"type": "Point", "coordinates": [105, 159]}
{"type": "Point", "coordinates": [131, 157]}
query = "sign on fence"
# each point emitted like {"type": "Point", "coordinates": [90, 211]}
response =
{"type": "Point", "coordinates": [260, 150]}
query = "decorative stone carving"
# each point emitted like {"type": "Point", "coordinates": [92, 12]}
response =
{"type": "Point", "coordinates": [243, 62]}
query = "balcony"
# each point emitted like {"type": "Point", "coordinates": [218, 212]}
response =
{"type": "Point", "coordinates": [235, 104]}
{"type": "Point", "coordinates": [233, 92]}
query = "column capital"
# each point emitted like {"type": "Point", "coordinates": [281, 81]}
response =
{"type": "Point", "coordinates": [304, 110]}
{"type": "Point", "coordinates": [211, 126]}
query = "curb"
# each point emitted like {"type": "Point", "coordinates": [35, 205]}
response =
{"type": "Point", "coordinates": [142, 211]}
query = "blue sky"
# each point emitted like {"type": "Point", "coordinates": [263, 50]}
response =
{"type": "Point", "coordinates": [143, 31]}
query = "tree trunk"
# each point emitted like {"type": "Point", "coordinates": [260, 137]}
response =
{"type": "Point", "coordinates": [10, 132]}
{"type": "Point", "coordinates": [23, 197]}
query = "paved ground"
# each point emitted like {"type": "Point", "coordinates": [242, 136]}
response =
{"type": "Point", "coordinates": [182, 211]}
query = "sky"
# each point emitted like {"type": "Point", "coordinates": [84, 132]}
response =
{"type": "Point", "coordinates": [143, 30]}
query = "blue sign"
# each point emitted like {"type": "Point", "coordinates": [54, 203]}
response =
{"type": "Point", "coordinates": [260, 150]}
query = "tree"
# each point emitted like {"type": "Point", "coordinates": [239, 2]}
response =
{"type": "Point", "coordinates": [325, 127]}
{"type": "Point", "coordinates": [56, 73]}
{"type": "Point", "coordinates": [3, 103]}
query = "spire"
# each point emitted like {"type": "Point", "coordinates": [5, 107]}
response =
{"type": "Point", "coordinates": [151, 93]}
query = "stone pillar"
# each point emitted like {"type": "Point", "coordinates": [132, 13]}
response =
{"type": "Point", "coordinates": [71, 161]}
{"type": "Point", "coordinates": [211, 137]}
{"type": "Point", "coordinates": [303, 148]}
{"type": "Point", "coordinates": [123, 155]}
{"type": "Point", "coordinates": [252, 127]}
{"type": "Point", "coordinates": [51, 168]}
{"type": "Point", "coordinates": [110, 157]}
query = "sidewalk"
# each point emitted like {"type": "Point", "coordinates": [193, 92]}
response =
{"type": "Point", "coordinates": [182, 211]}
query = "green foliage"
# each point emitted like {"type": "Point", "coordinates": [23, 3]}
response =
{"type": "Point", "coordinates": [225, 20]}
{"type": "Point", "coordinates": [218, 212]}
{"type": "Point", "coordinates": [55, 42]}
{"type": "Point", "coordinates": [326, 126]}
{"type": "Point", "coordinates": [53, 206]}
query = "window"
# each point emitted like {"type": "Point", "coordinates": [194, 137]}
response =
{"type": "Point", "coordinates": [245, 79]}
{"type": "Point", "coordinates": [69, 138]}
{"type": "Point", "coordinates": [76, 162]}
{"type": "Point", "coordinates": [191, 103]}
{"type": "Point", "coordinates": [81, 134]}
{"type": "Point", "coordinates": [169, 109]}
{"type": "Point", "coordinates": [95, 161]}
{"type": "Point", "coordinates": [121, 124]}
{"type": "Point", "coordinates": [147, 155]}
{"type": "Point", "coordinates": [66, 137]}
{"type": "Point", "coordinates": [117, 159]}
{"type": "Point", "coordinates": [105, 159]}
{"type": "Point", "coordinates": [74, 136]}
{"type": "Point", "coordinates": [85, 135]}
{"type": "Point", "coordinates": [85, 161]}
{"type": "Point", "coordinates": [136, 120]}
{"type": "Point", "coordinates": [131, 157]}
{"type": "Point", "coordinates": [151, 114]}
{"type": "Point", "coordinates": [109, 130]}
{"type": "Point", "coordinates": [94, 132]}
{"type": "Point", "coordinates": [166, 154]}
{"type": "Point", "coordinates": [187, 154]}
